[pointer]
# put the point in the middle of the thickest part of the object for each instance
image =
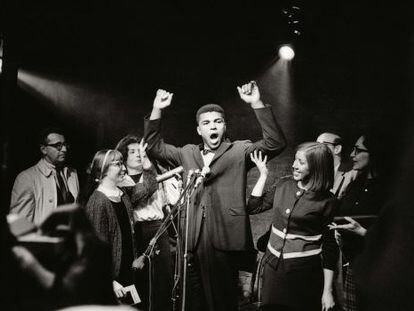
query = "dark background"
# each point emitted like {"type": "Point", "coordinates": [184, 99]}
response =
{"type": "Point", "coordinates": [94, 68]}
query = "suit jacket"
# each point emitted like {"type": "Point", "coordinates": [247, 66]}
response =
{"type": "Point", "coordinates": [34, 193]}
{"type": "Point", "coordinates": [223, 199]}
{"type": "Point", "coordinates": [343, 177]}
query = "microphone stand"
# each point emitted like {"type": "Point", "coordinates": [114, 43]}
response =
{"type": "Point", "coordinates": [176, 211]}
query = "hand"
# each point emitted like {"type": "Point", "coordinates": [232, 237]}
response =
{"type": "Point", "coordinates": [139, 263]}
{"type": "Point", "coordinates": [352, 226]}
{"type": "Point", "coordinates": [338, 237]}
{"type": "Point", "coordinates": [328, 301]}
{"type": "Point", "coordinates": [118, 290]}
{"type": "Point", "coordinates": [256, 157]}
{"type": "Point", "coordinates": [250, 93]}
{"type": "Point", "coordinates": [162, 99]}
{"type": "Point", "coordinates": [146, 163]}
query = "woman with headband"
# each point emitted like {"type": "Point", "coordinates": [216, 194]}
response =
{"type": "Point", "coordinates": [110, 211]}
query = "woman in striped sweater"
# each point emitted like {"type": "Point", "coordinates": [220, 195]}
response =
{"type": "Point", "coordinates": [299, 262]}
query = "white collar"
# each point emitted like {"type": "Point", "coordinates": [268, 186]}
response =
{"type": "Point", "coordinates": [111, 194]}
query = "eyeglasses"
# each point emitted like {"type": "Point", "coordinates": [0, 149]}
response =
{"type": "Point", "coordinates": [329, 143]}
{"type": "Point", "coordinates": [117, 163]}
{"type": "Point", "coordinates": [59, 145]}
{"type": "Point", "coordinates": [358, 150]}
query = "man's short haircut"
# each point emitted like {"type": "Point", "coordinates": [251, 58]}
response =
{"type": "Point", "coordinates": [44, 133]}
{"type": "Point", "coordinates": [209, 108]}
{"type": "Point", "coordinates": [123, 144]}
{"type": "Point", "coordinates": [338, 140]}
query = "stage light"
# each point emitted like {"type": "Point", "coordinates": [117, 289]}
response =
{"type": "Point", "coordinates": [293, 15]}
{"type": "Point", "coordinates": [286, 52]}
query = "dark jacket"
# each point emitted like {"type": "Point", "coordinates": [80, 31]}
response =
{"type": "Point", "coordinates": [223, 198]}
{"type": "Point", "coordinates": [363, 197]}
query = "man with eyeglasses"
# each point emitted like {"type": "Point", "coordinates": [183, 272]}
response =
{"type": "Point", "coordinates": [38, 190]}
{"type": "Point", "coordinates": [344, 173]}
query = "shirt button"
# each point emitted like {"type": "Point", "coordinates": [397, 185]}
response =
{"type": "Point", "coordinates": [356, 203]}
{"type": "Point", "coordinates": [288, 211]}
{"type": "Point", "coordinates": [50, 200]}
{"type": "Point", "coordinates": [284, 230]}
{"type": "Point", "coordinates": [366, 190]}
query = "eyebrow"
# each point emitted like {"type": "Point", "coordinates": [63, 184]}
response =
{"type": "Point", "coordinates": [214, 120]}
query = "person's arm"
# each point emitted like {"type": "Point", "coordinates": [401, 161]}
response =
{"type": "Point", "coordinates": [260, 162]}
{"type": "Point", "coordinates": [273, 142]}
{"type": "Point", "coordinates": [119, 290]}
{"type": "Point", "coordinates": [330, 255]}
{"type": "Point", "coordinates": [328, 301]}
{"type": "Point", "coordinates": [352, 226]}
{"type": "Point", "coordinates": [142, 191]}
{"type": "Point", "coordinates": [29, 263]}
{"type": "Point", "coordinates": [260, 200]}
{"type": "Point", "coordinates": [96, 211]}
{"type": "Point", "coordinates": [157, 148]}
{"type": "Point", "coordinates": [22, 198]}
{"type": "Point", "coordinates": [162, 100]}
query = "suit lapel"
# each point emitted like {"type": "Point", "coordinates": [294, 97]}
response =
{"type": "Point", "coordinates": [221, 150]}
{"type": "Point", "coordinates": [198, 158]}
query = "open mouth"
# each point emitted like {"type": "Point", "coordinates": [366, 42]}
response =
{"type": "Point", "coordinates": [214, 136]}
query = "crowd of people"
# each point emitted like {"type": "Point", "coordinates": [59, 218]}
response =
{"type": "Point", "coordinates": [320, 217]}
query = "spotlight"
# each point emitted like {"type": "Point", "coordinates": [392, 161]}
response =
{"type": "Point", "coordinates": [286, 52]}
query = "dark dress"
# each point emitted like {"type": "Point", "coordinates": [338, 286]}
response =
{"type": "Point", "coordinates": [125, 276]}
{"type": "Point", "coordinates": [364, 196]}
{"type": "Point", "coordinates": [155, 280]}
{"type": "Point", "coordinates": [299, 247]}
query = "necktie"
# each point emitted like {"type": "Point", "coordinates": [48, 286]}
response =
{"type": "Point", "coordinates": [64, 195]}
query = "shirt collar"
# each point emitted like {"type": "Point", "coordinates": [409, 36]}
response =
{"type": "Point", "coordinates": [113, 195]}
{"type": "Point", "coordinates": [46, 168]}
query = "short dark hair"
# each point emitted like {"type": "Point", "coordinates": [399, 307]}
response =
{"type": "Point", "coordinates": [44, 133]}
{"type": "Point", "coordinates": [321, 165]}
{"type": "Point", "coordinates": [123, 144]}
{"type": "Point", "coordinates": [373, 140]}
{"type": "Point", "coordinates": [209, 108]}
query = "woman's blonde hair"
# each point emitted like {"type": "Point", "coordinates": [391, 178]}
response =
{"type": "Point", "coordinates": [101, 162]}
{"type": "Point", "coordinates": [321, 166]}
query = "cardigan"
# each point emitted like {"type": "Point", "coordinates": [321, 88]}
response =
{"type": "Point", "coordinates": [300, 221]}
{"type": "Point", "coordinates": [102, 215]}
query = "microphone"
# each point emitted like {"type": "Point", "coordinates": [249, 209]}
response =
{"type": "Point", "coordinates": [204, 172]}
{"type": "Point", "coordinates": [190, 174]}
{"type": "Point", "coordinates": [169, 174]}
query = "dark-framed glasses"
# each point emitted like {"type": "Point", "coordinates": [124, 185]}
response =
{"type": "Point", "coordinates": [329, 143]}
{"type": "Point", "coordinates": [358, 150]}
{"type": "Point", "coordinates": [59, 145]}
{"type": "Point", "coordinates": [117, 163]}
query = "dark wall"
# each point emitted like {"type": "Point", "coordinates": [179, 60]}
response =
{"type": "Point", "coordinates": [97, 66]}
